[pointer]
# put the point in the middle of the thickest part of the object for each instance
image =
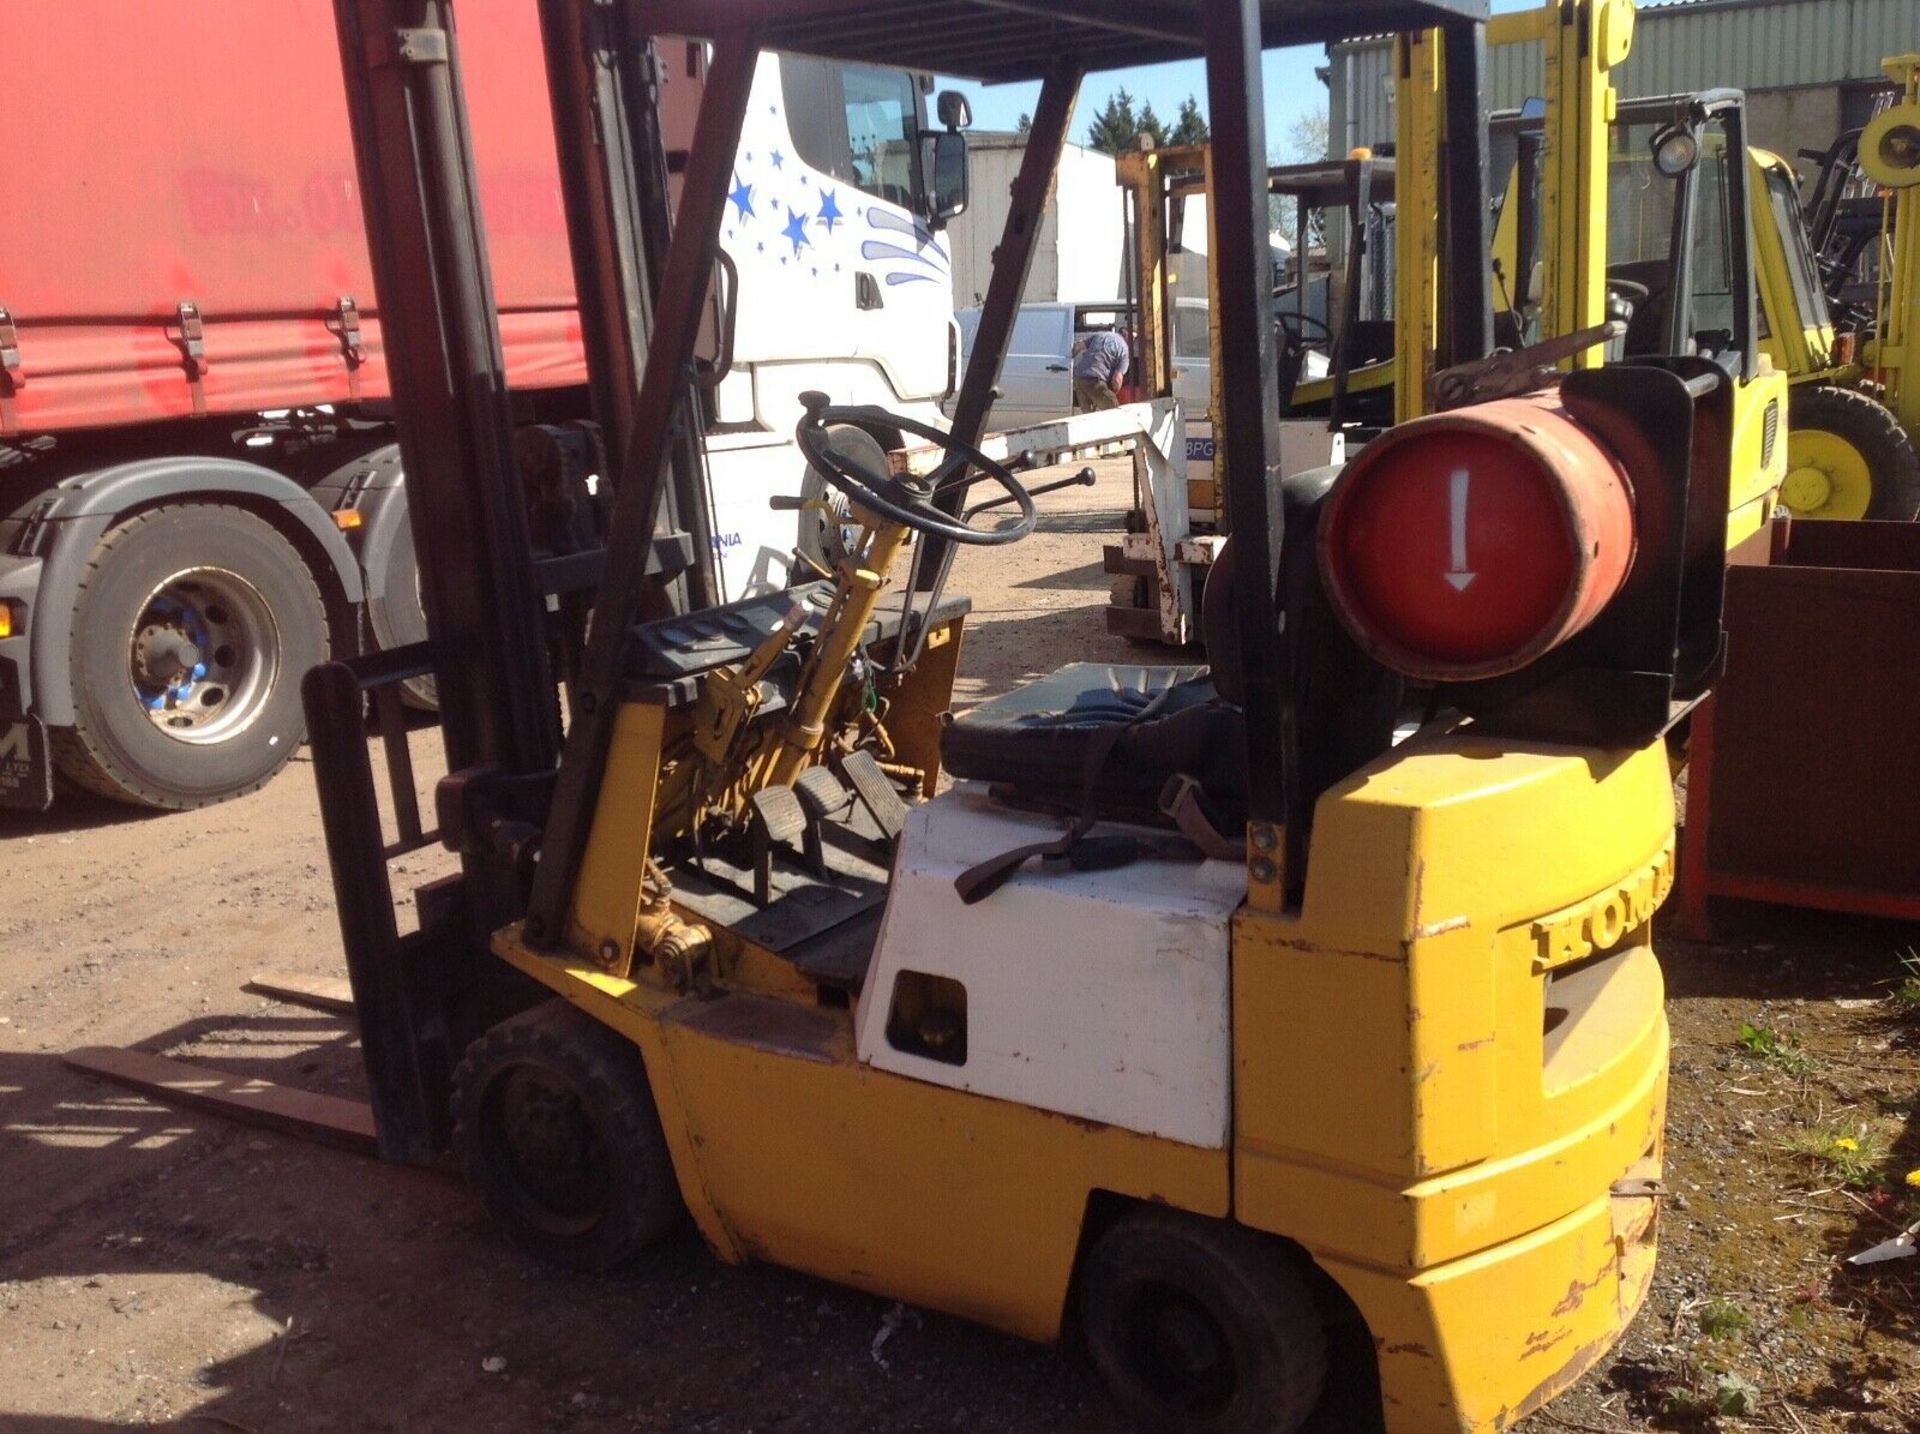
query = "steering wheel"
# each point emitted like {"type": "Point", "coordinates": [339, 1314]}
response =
{"type": "Point", "coordinates": [911, 502]}
{"type": "Point", "coordinates": [1291, 319]}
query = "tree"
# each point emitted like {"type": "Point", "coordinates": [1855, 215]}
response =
{"type": "Point", "coordinates": [1307, 140]}
{"type": "Point", "coordinates": [1024, 125]}
{"type": "Point", "coordinates": [1307, 137]}
{"type": "Point", "coordinates": [1118, 126]}
{"type": "Point", "coordinates": [1191, 126]}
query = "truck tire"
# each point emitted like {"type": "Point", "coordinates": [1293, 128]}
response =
{"type": "Point", "coordinates": [192, 628]}
{"type": "Point", "coordinates": [823, 534]}
{"type": "Point", "coordinates": [1202, 1326]}
{"type": "Point", "coordinates": [396, 617]}
{"type": "Point", "coordinates": [1847, 457]}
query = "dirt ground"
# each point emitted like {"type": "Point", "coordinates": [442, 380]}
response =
{"type": "Point", "coordinates": [167, 1269]}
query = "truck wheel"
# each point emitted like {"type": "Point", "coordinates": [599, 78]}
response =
{"type": "Point", "coordinates": [825, 537]}
{"type": "Point", "coordinates": [555, 1124]}
{"type": "Point", "coordinates": [1200, 1325]}
{"type": "Point", "coordinates": [397, 617]}
{"type": "Point", "coordinates": [192, 628]}
{"type": "Point", "coordinates": [1847, 457]}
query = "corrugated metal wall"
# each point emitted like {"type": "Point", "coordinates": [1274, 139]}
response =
{"type": "Point", "coordinates": [1688, 45]}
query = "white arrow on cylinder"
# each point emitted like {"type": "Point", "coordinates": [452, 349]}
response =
{"type": "Point", "coordinates": [1458, 573]}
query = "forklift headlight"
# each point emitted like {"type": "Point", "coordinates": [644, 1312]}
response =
{"type": "Point", "coordinates": [1470, 543]}
{"type": "Point", "coordinates": [1675, 151]}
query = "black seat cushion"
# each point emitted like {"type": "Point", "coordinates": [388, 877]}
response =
{"type": "Point", "coordinates": [1039, 739]}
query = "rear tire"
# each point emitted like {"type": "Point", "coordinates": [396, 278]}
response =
{"type": "Point", "coordinates": [555, 1123]}
{"type": "Point", "coordinates": [1848, 457]}
{"type": "Point", "coordinates": [191, 630]}
{"type": "Point", "coordinates": [396, 616]}
{"type": "Point", "coordinates": [1202, 1326]}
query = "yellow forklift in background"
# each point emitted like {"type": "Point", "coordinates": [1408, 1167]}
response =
{"type": "Point", "coordinates": [1614, 238]}
{"type": "Point", "coordinates": [1875, 234]}
{"type": "Point", "coordinates": [1336, 371]}
{"type": "Point", "coordinates": [1310, 1061]}
{"type": "Point", "coordinates": [1586, 200]}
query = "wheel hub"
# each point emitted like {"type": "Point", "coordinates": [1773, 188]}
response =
{"type": "Point", "coordinates": [1179, 1349]}
{"type": "Point", "coordinates": [1827, 477]}
{"type": "Point", "coordinates": [167, 657]}
{"type": "Point", "coordinates": [549, 1143]}
{"type": "Point", "coordinates": [1806, 490]}
{"type": "Point", "coordinates": [204, 655]}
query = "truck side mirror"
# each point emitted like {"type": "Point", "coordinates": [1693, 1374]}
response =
{"type": "Point", "coordinates": [950, 183]}
{"type": "Point", "coordinates": [953, 109]}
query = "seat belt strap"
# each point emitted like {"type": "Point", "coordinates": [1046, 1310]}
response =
{"type": "Point", "coordinates": [982, 879]}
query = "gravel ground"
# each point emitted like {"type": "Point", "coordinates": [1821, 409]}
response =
{"type": "Point", "coordinates": [164, 1269]}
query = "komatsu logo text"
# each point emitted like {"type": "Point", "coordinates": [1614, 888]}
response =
{"type": "Point", "coordinates": [1598, 923]}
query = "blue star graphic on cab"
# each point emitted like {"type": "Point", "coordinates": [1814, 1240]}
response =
{"type": "Point", "coordinates": [796, 231]}
{"type": "Point", "coordinates": [898, 248]}
{"type": "Point", "coordinates": [742, 195]}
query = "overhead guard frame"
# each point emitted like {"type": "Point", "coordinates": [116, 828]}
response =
{"type": "Point", "coordinates": [1055, 42]}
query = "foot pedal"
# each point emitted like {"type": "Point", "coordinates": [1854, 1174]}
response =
{"type": "Point", "coordinates": [824, 798]}
{"type": "Point", "coordinates": [775, 816]}
{"type": "Point", "coordinates": [876, 793]}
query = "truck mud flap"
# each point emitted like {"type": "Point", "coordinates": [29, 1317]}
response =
{"type": "Point", "coordinates": [26, 772]}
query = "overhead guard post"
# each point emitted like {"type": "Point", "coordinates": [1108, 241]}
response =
{"type": "Point", "coordinates": [1248, 427]}
{"type": "Point", "coordinates": [680, 303]}
{"type": "Point", "coordinates": [1007, 285]}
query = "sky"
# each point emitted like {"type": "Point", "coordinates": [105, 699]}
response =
{"type": "Point", "coordinates": [1292, 91]}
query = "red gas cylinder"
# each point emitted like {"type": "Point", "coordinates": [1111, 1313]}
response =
{"type": "Point", "coordinates": [1467, 544]}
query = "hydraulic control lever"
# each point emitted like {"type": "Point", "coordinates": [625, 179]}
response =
{"type": "Point", "coordinates": [1508, 373]}
{"type": "Point", "coordinates": [1085, 478]}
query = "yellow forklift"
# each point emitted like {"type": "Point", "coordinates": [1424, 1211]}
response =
{"type": "Point", "coordinates": [1848, 456]}
{"type": "Point", "coordinates": [1615, 237]}
{"type": "Point", "coordinates": [1335, 340]}
{"type": "Point", "coordinates": [1586, 199]}
{"type": "Point", "coordinates": [1309, 1061]}
{"type": "Point", "coordinates": [1864, 219]}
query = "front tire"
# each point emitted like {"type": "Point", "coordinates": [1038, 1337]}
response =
{"type": "Point", "coordinates": [192, 628]}
{"type": "Point", "coordinates": [1202, 1326]}
{"type": "Point", "coordinates": [555, 1124]}
{"type": "Point", "coordinates": [1847, 457]}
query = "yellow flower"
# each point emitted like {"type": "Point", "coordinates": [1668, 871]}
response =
{"type": "Point", "coordinates": [1913, 1178]}
{"type": "Point", "coordinates": [1846, 1142]}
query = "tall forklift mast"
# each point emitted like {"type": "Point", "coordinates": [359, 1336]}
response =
{"type": "Point", "coordinates": [1582, 42]}
{"type": "Point", "coordinates": [484, 594]}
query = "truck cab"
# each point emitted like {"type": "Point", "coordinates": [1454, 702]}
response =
{"type": "Point", "coordinates": [204, 497]}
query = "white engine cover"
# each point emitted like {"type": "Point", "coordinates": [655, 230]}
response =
{"type": "Point", "coordinates": [1103, 995]}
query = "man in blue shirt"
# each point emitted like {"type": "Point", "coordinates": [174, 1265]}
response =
{"type": "Point", "coordinates": [1099, 368]}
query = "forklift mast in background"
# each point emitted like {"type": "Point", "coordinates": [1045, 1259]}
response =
{"type": "Point", "coordinates": [1440, 291]}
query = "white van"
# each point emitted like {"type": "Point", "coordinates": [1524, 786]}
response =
{"type": "Point", "coordinates": [1036, 381]}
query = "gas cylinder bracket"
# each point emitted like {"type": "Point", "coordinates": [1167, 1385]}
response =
{"type": "Point", "coordinates": [1510, 373]}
